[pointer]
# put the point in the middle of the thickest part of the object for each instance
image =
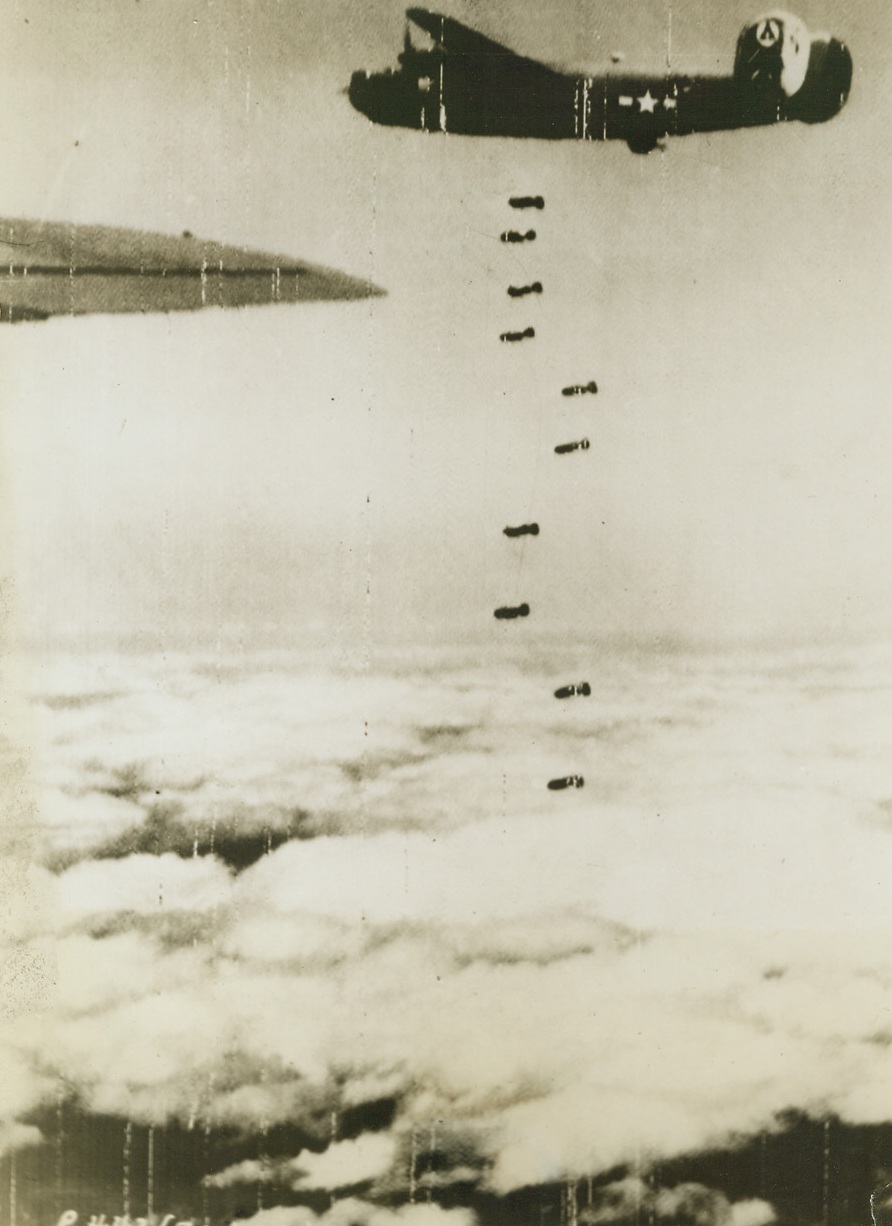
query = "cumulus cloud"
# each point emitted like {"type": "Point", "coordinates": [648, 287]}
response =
{"type": "Point", "coordinates": [18, 1136]}
{"type": "Point", "coordinates": [344, 1164]}
{"type": "Point", "coordinates": [251, 1170]}
{"type": "Point", "coordinates": [270, 748]}
{"type": "Point", "coordinates": [352, 1212]}
{"type": "Point", "coordinates": [659, 1046]}
{"type": "Point", "coordinates": [686, 1204]}
{"type": "Point", "coordinates": [141, 883]}
{"type": "Point", "coordinates": [752, 1212]}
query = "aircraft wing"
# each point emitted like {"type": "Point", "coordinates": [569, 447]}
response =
{"type": "Point", "coordinates": [453, 38]}
{"type": "Point", "coordinates": [53, 268]}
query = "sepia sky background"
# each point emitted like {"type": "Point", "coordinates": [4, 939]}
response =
{"type": "Point", "coordinates": [333, 472]}
{"type": "Point", "coordinates": [285, 886]}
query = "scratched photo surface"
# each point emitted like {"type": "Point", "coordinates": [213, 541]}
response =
{"type": "Point", "coordinates": [329, 898]}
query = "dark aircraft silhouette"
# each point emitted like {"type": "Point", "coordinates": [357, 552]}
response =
{"type": "Point", "coordinates": [468, 84]}
{"type": "Point", "coordinates": [51, 268]}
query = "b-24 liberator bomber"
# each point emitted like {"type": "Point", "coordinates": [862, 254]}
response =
{"type": "Point", "coordinates": [470, 85]}
{"type": "Point", "coordinates": [57, 268]}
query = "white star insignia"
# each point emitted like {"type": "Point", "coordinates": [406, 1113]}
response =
{"type": "Point", "coordinates": [669, 104]}
{"type": "Point", "coordinates": [647, 103]}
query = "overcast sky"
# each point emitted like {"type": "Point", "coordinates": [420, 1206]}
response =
{"type": "Point", "coordinates": [338, 470]}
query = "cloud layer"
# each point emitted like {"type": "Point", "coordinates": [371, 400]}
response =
{"type": "Point", "coordinates": [546, 990]}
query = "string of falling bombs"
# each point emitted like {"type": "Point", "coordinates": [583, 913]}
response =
{"type": "Point", "coordinates": [580, 689]}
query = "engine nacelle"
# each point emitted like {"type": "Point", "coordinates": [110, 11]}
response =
{"type": "Point", "coordinates": [783, 67]}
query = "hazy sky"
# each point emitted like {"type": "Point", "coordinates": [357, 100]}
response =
{"type": "Point", "coordinates": [345, 470]}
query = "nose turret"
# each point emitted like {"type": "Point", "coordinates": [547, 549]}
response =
{"type": "Point", "coordinates": [385, 97]}
{"type": "Point", "coordinates": [358, 91]}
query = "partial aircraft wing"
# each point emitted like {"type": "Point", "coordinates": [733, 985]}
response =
{"type": "Point", "coordinates": [52, 268]}
{"type": "Point", "coordinates": [453, 38]}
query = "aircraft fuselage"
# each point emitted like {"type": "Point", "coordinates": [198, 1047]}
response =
{"type": "Point", "coordinates": [484, 93]}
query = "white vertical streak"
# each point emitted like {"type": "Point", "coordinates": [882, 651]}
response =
{"type": "Point", "coordinates": [125, 1189]}
{"type": "Point", "coordinates": [430, 1165]}
{"type": "Point", "coordinates": [826, 1189]}
{"type": "Point", "coordinates": [150, 1176]}
{"type": "Point", "coordinates": [60, 1135]}
{"type": "Point", "coordinates": [332, 1140]}
{"type": "Point", "coordinates": [204, 1188]}
{"type": "Point", "coordinates": [413, 1160]}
